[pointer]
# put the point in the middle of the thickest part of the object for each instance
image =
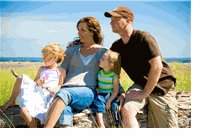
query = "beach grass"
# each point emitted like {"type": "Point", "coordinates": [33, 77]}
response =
{"type": "Point", "coordinates": [183, 74]}
{"type": "Point", "coordinates": [7, 80]}
{"type": "Point", "coordinates": [181, 71]}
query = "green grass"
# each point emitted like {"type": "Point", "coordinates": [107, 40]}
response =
{"type": "Point", "coordinates": [183, 74]}
{"type": "Point", "coordinates": [181, 71]}
{"type": "Point", "coordinates": [7, 81]}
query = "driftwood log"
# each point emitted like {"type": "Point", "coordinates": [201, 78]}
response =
{"type": "Point", "coordinates": [86, 119]}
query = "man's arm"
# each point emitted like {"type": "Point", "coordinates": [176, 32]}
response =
{"type": "Point", "coordinates": [153, 77]}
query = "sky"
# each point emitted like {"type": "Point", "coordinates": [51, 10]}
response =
{"type": "Point", "coordinates": [27, 26]}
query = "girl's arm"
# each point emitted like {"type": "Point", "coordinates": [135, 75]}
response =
{"type": "Point", "coordinates": [37, 77]}
{"type": "Point", "coordinates": [114, 93]}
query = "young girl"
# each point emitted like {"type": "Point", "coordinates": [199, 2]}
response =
{"type": "Point", "coordinates": [108, 85]}
{"type": "Point", "coordinates": [34, 97]}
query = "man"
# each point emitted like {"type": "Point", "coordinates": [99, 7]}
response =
{"type": "Point", "coordinates": [153, 79]}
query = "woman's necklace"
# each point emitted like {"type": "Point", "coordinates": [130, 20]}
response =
{"type": "Point", "coordinates": [87, 47]}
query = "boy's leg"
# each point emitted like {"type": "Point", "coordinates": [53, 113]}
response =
{"type": "Point", "coordinates": [100, 120]}
{"type": "Point", "coordinates": [30, 121]}
{"type": "Point", "coordinates": [116, 113]}
{"type": "Point", "coordinates": [98, 107]}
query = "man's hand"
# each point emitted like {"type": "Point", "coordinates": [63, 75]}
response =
{"type": "Point", "coordinates": [135, 94]}
{"type": "Point", "coordinates": [121, 100]}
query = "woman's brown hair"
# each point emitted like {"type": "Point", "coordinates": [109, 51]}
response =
{"type": "Point", "coordinates": [93, 26]}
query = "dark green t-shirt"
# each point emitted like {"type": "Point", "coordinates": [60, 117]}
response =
{"type": "Point", "coordinates": [135, 56]}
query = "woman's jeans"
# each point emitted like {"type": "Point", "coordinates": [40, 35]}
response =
{"type": "Point", "coordinates": [78, 98]}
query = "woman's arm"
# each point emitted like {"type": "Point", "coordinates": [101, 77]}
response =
{"type": "Point", "coordinates": [114, 93]}
{"type": "Point", "coordinates": [62, 76]}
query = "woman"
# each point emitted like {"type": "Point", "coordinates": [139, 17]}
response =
{"type": "Point", "coordinates": [81, 65]}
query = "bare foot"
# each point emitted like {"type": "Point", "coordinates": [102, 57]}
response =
{"type": "Point", "coordinates": [33, 123]}
{"type": "Point", "coordinates": [7, 105]}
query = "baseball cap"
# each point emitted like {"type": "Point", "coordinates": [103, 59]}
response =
{"type": "Point", "coordinates": [120, 11]}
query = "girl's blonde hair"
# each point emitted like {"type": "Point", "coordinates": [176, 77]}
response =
{"type": "Point", "coordinates": [53, 50]}
{"type": "Point", "coordinates": [115, 61]}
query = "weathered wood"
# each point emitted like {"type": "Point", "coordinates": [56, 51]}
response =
{"type": "Point", "coordinates": [86, 119]}
{"type": "Point", "coordinates": [12, 118]}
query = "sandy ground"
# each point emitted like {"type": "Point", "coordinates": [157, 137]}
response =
{"type": "Point", "coordinates": [9, 65]}
{"type": "Point", "coordinates": [13, 65]}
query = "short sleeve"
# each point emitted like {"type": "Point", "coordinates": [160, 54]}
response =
{"type": "Point", "coordinates": [113, 48]}
{"type": "Point", "coordinates": [67, 61]}
{"type": "Point", "coordinates": [150, 47]}
{"type": "Point", "coordinates": [116, 46]}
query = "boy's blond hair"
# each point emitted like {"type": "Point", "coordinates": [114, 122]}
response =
{"type": "Point", "coordinates": [115, 61]}
{"type": "Point", "coordinates": [53, 50]}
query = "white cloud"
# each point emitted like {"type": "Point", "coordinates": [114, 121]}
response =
{"type": "Point", "coordinates": [52, 31]}
{"type": "Point", "coordinates": [61, 28]}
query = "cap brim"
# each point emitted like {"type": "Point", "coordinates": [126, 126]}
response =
{"type": "Point", "coordinates": [110, 14]}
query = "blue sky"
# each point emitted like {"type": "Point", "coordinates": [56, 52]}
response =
{"type": "Point", "coordinates": [27, 26]}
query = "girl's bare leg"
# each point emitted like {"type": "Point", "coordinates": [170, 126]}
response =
{"type": "Point", "coordinates": [54, 112]}
{"type": "Point", "coordinates": [30, 121]}
{"type": "Point", "coordinates": [15, 93]}
{"type": "Point", "coordinates": [100, 120]}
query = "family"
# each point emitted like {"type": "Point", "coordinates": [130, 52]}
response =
{"type": "Point", "coordinates": [88, 77]}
